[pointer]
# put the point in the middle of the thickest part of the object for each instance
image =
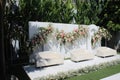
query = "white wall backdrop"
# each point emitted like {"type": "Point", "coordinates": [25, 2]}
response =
{"type": "Point", "coordinates": [53, 45]}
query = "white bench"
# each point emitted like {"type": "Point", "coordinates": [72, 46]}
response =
{"type": "Point", "coordinates": [81, 54]}
{"type": "Point", "coordinates": [48, 58]}
{"type": "Point", "coordinates": [105, 51]}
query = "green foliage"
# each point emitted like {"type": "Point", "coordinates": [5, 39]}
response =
{"type": "Point", "coordinates": [14, 25]}
{"type": "Point", "coordinates": [47, 10]}
{"type": "Point", "coordinates": [87, 11]}
{"type": "Point", "coordinates": [111, 25]}
{"type": "Point", "coordinates": [99, 12]}
{"type": "Point", "coordinates": [110, 15]}
{"type": "Point", "coordinates": [66, 11]}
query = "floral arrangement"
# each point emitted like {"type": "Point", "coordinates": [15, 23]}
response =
{"type": "Point", "coordinates": [102, 33]}
{"type": "Point", "coordinates": [83, 31]}
{"type": "Point", "coordinates": [41, 37]}
{"type": "Point", "coordinates": [63, 37]}
{"type": "Point", "coordinates": [70, 37]}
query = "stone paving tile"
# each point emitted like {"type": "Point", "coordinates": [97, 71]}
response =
{"type": "Point", "coordinates": [113, 77]}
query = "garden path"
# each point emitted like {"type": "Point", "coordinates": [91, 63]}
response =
{"type": "Point", "coordinates": [113, 77]}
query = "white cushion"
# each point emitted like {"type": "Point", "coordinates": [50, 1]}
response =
{"type": "Point", "coordinates": [81, 54]}
{"type": "Point", "coordinates": [105, 51]}
{"type": "Point", "coordinates": [48, 58]}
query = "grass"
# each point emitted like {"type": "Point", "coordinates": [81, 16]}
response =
{"type": "Point", "coordinates": [118, 52]}
{"type": "Point", "coordinates": [97, 75]}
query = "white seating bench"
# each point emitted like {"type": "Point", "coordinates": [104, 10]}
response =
{"type": "Point", "coordinates": [80, 55]}
{"type": "Point", "coordinates": [105, 51]}
{"type": "Point", "coordinates": [48, 58]}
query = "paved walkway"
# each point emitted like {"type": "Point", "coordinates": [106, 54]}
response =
{"type": "Point", "coordinates": [67, 66]}
{"type": "Point", "coordinates": [113, 77]}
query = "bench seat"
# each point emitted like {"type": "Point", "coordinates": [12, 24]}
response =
{"type": "Point", "coordinates": [48, 58]}
{"type": "Point", "coordinates": [105, 51]}
{"type": "Point", "coordinates": [80, 55]}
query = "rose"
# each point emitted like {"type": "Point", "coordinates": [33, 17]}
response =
{"type": "Point", "coordinates": [69, 40]}
{"type": "Point", "coordinates": [62, 35]}
{"type": "Point", "coordinates": [76, 30]}
{"type": "Point", "coordinates": [81, 32]}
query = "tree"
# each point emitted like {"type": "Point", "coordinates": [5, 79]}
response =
{"type": "Point", "coordinates": [87, 11]}
{"type": "Point", "coordinates": [2, 48]}
{"type": "Point", "coordinates": [110, 15]}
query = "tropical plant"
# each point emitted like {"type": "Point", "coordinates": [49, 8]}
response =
{"type": "Point", "coordinates": [48, 10]}
{"type": "Point", "coordinates": [109, 17]}
{"type": "Point", "coordinates": [66, 11]}
{"type": "Point", "coordinates": [87, 11]}
{"type": "Point", "coordinates": [13, 27]}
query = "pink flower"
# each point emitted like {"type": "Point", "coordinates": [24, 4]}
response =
{"type": "Point", "coordinates": [69, 40]}
{"type": "Point", "coordinates": [62, 34]}
{"type": "Point", "coordinates": [80, 32]}
{"type": "Point", "coordinates": [76, 30]}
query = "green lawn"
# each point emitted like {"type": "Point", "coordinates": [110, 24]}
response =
{"type": "Point", "coordinates": [118, 52]}
{"type": "Point", "coordinates": [97, 75]}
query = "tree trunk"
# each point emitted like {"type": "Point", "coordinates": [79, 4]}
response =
{"type": "Point", "coordinates": [2, 53]}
